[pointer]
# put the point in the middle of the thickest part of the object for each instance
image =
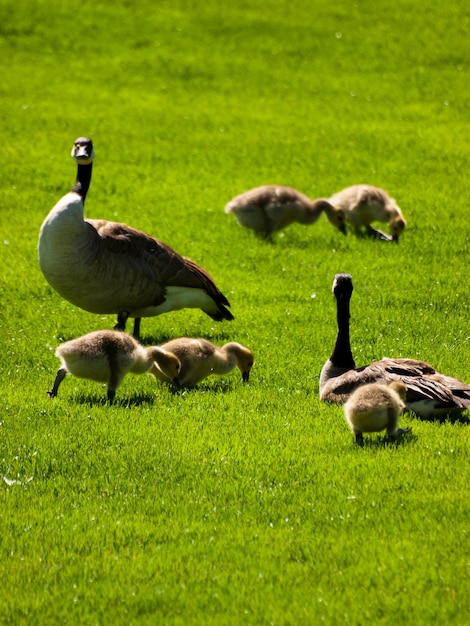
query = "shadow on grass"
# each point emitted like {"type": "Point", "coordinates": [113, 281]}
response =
{"type": "Point", "coordinates": [163, 392]}
{"type": "Point", "coordinates": [382, 441]}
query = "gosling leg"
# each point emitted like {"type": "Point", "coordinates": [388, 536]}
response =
{"type": "Point", "coordinates": [58, 379]}
{"type": "Point", "coordinates": [359, 439]}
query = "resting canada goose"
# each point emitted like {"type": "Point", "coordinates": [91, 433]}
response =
{"type": "Point", "coordinates": [429, 393]}
{"type": "Point", "coordinates": [270, 208]}
{"type": "Point", "coordinates": [364, 204]}
{"type": "Point", "coordinates": [200, 358]}
{"type": "Point", "coordinates": [106, 267]}
{"type": "Point", "coordinates": [106, 356]}
{"type": "Point", "coordinates": [375, 407]}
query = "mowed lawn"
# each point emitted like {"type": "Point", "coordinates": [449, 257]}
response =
{"type": "Point", "coordinates": [231, 503]}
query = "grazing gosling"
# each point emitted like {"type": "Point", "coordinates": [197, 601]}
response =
{"type": "Point", "coordinates": [200, 358]}
{"type": "Point", "coordinates": [106, 356]}
{"type": "Point", "coordinates": [364, 204]}
{"type": "Point", "coordinates": [270, 208]}
{"type": "Point", "coordinates": [375, 407]}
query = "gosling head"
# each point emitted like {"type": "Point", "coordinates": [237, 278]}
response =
{"type": "Point", "coordinates": [168, 363]}
{"type": "Point", "coordinates": [397, 226]}
{"type": "Point", "coordinates": [335, 216]}
{"type": "Point", "coordinates": [245, 359]}
{"type": "Point", "coordinates": [400, 388]}
{"type": "Point", "coordinates": [83, 151]}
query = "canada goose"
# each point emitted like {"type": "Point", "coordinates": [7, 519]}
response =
{"type": "Point", "coordinates": [271, 208]}
{"type": "Point", "coordinates": [364, 204]}
{"type": "Point", "coordinates": [106, 267]}
{"type": "Point", "coordinates": [429, 393]}
{"type": "Point", "coordinates": [106, 356]}
{"type": "Point", "coordinates": [200, 358]}
{"type": "Point", "coordinates": [375, 407]}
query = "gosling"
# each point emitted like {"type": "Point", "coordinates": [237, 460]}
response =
{"type": "Point", "coordinates": [375, 407]}
{"type": "Point", "coordinates": [106, 356]}
{"type": "Point", "coordinates": [364, 204]}
{"type": "Point", "coordinates": [271, 208]}
{"type": "Point", "coordinates": [200, 358]}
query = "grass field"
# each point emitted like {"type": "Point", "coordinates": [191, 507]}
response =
{"type": "Point", "coordinates": [236, 504]}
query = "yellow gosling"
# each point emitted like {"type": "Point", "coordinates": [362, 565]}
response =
{"type": "Point", "coordinates": [375, 407]}
{"type": "Point", "coordinates": [365, 204]}
{"type": "Point", "coordinates": [271, 208]}
{"type": "Point", "coordinates": [200, 358]}
{"type": "Point", "coordinates": [106, 356]}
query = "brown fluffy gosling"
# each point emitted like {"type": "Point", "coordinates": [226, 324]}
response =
{"type": "Point", "coordinates": [364, 204]}
{"type": "Point", "coordinates": [375, 407]}
{"type": "Point", "coordinates": [106, 356]}
{"type": "Point", "coordinates": [270, 208]}
{"type": "Point", "coordinates": [200, 358]}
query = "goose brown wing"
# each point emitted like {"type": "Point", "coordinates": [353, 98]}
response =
{"type": "Point", "coordinates": [154, 257]}
{"type": "Point", "coordinates": [421, 379]}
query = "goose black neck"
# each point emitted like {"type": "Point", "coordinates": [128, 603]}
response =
{"type": "Point", "coordinates": [342, 355]}
{"type": "Point", "coordinates": [82, 183]}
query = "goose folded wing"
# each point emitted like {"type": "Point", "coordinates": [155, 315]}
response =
{"type": "Point", "coordinates": [172, 268]}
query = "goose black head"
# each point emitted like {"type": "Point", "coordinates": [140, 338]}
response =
{"type": "Point", "coordinates": [342, 286]}
{"type": "Point", "coordinates": [83, 151]}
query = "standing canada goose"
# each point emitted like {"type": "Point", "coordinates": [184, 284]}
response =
{"type": "Point", "coordinates": [364, 204]}
{"type": "Point", "coordinates": [105, 267]}
{"type": "Point", "coordinates": [429, 393]}
{"type": "Point", "coordinates": [270, 208]}
{"type": "Point", "coordinates": [200, 358]}
{"type": "Point", "coordinates": [106, 356]}
{"type": "Point", "coordinates": [375, 407]}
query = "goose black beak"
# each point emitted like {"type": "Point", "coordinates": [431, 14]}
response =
{"type": "Point", "coordinates": [246, 376]}
{"type": "Point", "coordinates": [342, 228]}
{"type": "Point", "coordinates": [395, 238]}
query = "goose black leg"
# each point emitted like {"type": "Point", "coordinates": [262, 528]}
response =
{"type": "Point", "coordinates": [122, 318]}
{"type": "Point", "coordinates": [136, 332]}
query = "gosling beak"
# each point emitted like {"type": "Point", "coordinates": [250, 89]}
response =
{"type": "Point", "coordinates": [246, 376]}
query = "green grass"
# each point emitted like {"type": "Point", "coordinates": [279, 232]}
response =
{"type": "Point", "coordinates": [233, 504]}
